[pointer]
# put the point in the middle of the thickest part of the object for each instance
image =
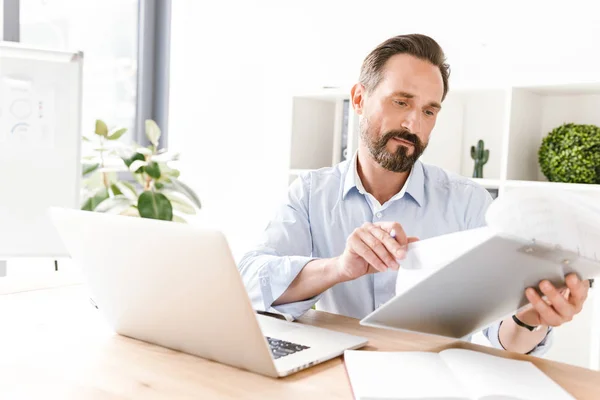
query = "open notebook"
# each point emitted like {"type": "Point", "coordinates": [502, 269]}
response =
{"type": "Point", "coordinates": [451, 374]}
{"type": "Point", "coordinates": [457, 284]}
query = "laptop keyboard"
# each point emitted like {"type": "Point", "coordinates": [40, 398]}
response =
{"type": "Point", "coordinates": [281, 348]}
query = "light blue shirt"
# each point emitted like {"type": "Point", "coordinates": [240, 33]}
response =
{"type": "Point", "coordinates": [323, 207]}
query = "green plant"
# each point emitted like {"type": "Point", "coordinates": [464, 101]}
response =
{"type": "Point", "coordinates": [571, 153]}
{"type": "Point", "coordinates": [481, 156]}
{"type": "Point", "coordinates": [156, 192]}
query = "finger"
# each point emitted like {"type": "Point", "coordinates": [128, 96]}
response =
{"type": "Point", "coordinates": [547, 314]}
{"type": "Point", "coordinates": [565, 309]}
{"type": "Point", "coordinates": [412, 239]}
{"type": "Point", "coordinates": [397, 251]}
{"type": "Point", "coordinates": [371, 269]}
{"type": "Point", "coordinates": [378, 248]}
{"type": "Point", "coordinates": [363, 250]}
{"type": "Point", "coordinates": [398, 231]}
{"type": "Point", "coordinates": [564, 292]}
{"type": "Point", "coordinates": [579, 290]}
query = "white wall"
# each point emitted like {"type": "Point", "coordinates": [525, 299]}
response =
{"type": "Point", "coordinates": [1, 19]}
{"type": "Point", "coordinates": [235, 65]}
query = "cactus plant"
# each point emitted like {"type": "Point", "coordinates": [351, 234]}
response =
{"type": "Point", "coordinates": [481, 156]}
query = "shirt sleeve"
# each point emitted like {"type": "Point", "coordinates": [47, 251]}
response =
{"type": "Point", "coordinates": [285, 248]}
{"type": "Point", "coordinates": [478, 204]}
{"type": "Point", "coordinates": [492, 333]}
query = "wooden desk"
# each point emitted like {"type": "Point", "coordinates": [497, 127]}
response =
{"type": "Point", "coordinates": [54, 344]}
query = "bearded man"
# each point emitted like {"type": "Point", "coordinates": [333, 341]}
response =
{"type": "Point", "coordinates": [338, 239]}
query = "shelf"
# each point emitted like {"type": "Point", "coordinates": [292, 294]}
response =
{"type": "Point", "coordinates": [553, 185]}
{"type": "Point", "coordinates": [570, 89]}
{"type": "Point", "coordinates": [487, 183]}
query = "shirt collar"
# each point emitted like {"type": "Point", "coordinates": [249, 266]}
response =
{"type": "Point", "coordinates": [414, 186]}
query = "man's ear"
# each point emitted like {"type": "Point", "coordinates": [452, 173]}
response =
{"type": "Point", "coordinates": [357, 96]}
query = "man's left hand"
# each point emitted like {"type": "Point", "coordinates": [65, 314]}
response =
{"type": "Point", "coordinates": [558, 305]}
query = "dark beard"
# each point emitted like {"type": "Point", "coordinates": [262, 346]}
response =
{"type": "Point", "coordinates": [399, 161]}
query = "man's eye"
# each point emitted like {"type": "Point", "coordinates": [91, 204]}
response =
{"type": "Point", "coordinates": [429, 113]}
{"type": "Point", "coordinates": [401, 103]}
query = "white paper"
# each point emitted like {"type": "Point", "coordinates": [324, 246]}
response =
{"type": "Point", "coordinates": [486, 375]}
{"type": "Point", "coordinates": [453, 373]}
{"type": "Point", "coordinates": [425, 257]}
{"type": "Point", "coordinates": [400, 375]}
{"type": "Point", "coordinates": [570, 221]}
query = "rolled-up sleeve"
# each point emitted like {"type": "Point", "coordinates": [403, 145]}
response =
{"type": "Point", "coordinates": [479, 202]}
{"type": "Point", "coordinates": [492, 333]}
{"type": "Point", "coordinates": [285, 249]}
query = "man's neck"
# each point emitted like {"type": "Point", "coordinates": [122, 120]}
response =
{"type": "Point", "coordinates": [381, 183]}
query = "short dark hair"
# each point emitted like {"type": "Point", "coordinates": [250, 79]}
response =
{"type": "Point", "coordinates": [420, 46]}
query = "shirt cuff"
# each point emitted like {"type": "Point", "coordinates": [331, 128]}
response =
{"type": "Point", "coordinates": [276, 278]}
{"type": "Point", "coordinates": [493, 335]}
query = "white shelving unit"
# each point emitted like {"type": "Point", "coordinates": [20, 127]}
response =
{"type": "Point", "coordinates": [512, 122]}
{"type": "Point", "coordinates": [317, 125]}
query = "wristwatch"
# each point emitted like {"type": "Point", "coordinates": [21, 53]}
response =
{"type": "Point", "coordinates": [526, 326]}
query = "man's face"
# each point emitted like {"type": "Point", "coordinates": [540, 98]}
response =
{"type": "Point", "coordinates": [400, 113]}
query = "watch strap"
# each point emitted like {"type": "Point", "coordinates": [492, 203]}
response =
{"type": "Point", "coordinates": [524, 325]}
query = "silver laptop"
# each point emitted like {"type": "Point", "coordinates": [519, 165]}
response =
{"type": "Point", "coordinates": [177, 286]}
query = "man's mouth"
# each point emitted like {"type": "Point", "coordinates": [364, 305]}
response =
{"type": "Point", "coordinates": [403, 141]}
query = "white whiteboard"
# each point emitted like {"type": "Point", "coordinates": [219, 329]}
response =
{"type": "Point", "coordinates": [40, 146]}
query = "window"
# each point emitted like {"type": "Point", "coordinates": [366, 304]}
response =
{"type": "Point", "coordinates": [126, 57]}
{"type": "Point", "coordinates": [125, 45]}
{"type": "Point", "coordinates": [106, 32]}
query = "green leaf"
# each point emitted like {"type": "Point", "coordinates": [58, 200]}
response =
{"type": "Point", "coordinates": [101, 128]}
{"type": "Point", "coordinates": [177, 218]}
{"type": "Point", "coordinates": [144, 150]}
{"type": "Point", "coordinates": [179, 204]}
{"type": "Point", "coordinates": [137, 166]}
{"type": "Point", "coordinates": [131, 212]}
{"type": "Point", "coordinates": [165, 157]}
{"type": "Point", "coordinates": [152, 132]}
{"type": "Point", "coordinates": [86, 139]}
{"type": "Point", "coordinates": [89, 168]}
{"type": "Point", "coordinates": [132, 159]}
{"type": "Point", "coordinates": [153, 170]}
{"type": "Point", "coordinates": [173, 173]}
{"type": "Point", "coordinates": [117, 134]}
{"type": "Point", "coordinates": [158, 185]}
{"type": "Point", "coordinates": [115, 189]}
{"type": "Point", "coordinates": [127, 189]}
{"type": "Point", "coordinates": [155, 205]}
{"type": "Point", "coordinates": [114, 205]}
{"type": "Point", "coordinates": [167, 172]}
{"type": "Point", "coordinates": [186, 191]}
{"type": "Point", "coordinates": [91, 203]}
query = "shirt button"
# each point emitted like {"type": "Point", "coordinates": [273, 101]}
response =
{"type": "Point", "coordinates": [378, 215]}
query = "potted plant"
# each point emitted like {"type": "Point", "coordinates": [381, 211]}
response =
{"type": "Point", "coordinates": [571, 153]}
{"type": "Point", "coordinates": [154, 190]}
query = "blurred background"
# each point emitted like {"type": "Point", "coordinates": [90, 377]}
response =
{"type": "Point", "coordinates": [221, 79]}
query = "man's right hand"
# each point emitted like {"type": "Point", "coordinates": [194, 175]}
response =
{"type": "Point", "coordinates": [371, 248]}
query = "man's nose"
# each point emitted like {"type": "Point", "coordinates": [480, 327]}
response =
{"type": "Point", "coordinates": [412, 121]}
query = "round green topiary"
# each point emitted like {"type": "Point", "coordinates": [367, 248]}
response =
{"type": "Point", "coordinates": [571, 153]}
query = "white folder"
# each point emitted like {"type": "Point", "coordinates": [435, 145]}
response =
{"type": "Point", "coordinates": [457, 284]}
